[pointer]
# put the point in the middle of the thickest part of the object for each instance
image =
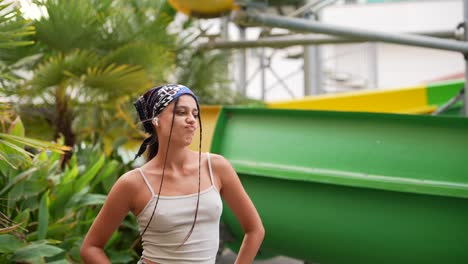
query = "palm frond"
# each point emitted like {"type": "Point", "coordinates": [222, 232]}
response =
{"type": "Point", "coordinates": [14, 33]}
{"type": "Point", "coordinates": [34, 143]}
{"type": "Point", "coordinates": [13, 142]}
{"type": "Point", "coordinates": [153, 57]}
{"type": "Point", "coordinates": [71, 24]}
{"type": "Point", "coordinates": [207, 75]}
{"type": "Point", "coordinates": [137, 20]}
{"type": "Point", "coordinates": [115, 80]}
{"type": "Point", "coordinates": [13, 28]}
{"type": "Point", "coordinates": [12, 149]}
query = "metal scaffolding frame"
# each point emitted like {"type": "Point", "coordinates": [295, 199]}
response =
{"type": "Point", "coordinates": [340, 34]}
{"type": "Point", "coordinates": [305, 39]}
{"type": "Point", "coordinates": [258, 19]}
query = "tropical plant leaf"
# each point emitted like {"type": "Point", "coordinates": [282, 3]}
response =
{"type": "Point", "coordinates": [16, 128]}
{"type": "Point", "coordinates": [7, 160]}
{"type": "Point", "coordinates": [91, 199]}
{"type": "Point", "coordinates": [23, 218]}
{"type": "Point", "coordinates": [13, 149]}
{"type": "Point", "coordinates": [34, 143]}
{"type": "Point", "coordinates": [14, 33]}
{"type": "Point", "coordinates": [63, 196]}
{"type": "Point", "coordinates": [43, 217]}
{"type": "Point", "coordinates": [60, 228]}
{"type": "Point", "coordinates": [145, 54]}
{"type": "Point", "coordinates": [13, 155]}
{"type": "Point", "coordinates": [71, 24]}
{"type": "Point", "coordinates": [9, 243]}
{"type": "Point", "coordinates": [62, 261]}
{"type": "Point", "coordinates": [120, 257]}
{"type": "Point", "coordinates": [20, 177]}
{"type": "Point", "coordinates": [36, 252]}
{"type": "Point", "coordinates": [90, 173]}
{"type": "Point", "coordinates": [115, 80]}
{"type": "Point", "coordinates": [110, 168]}
{"type": "Point", "coordinates": [13, 28]}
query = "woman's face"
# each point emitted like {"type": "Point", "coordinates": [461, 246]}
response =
{"type": "Point", "coordinates": [185, 121]}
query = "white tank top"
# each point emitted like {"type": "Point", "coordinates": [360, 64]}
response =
{"type": "Point", "coordinates": [172, 221]}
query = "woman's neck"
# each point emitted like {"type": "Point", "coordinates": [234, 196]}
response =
{"type": "Point", "coordinates": [175, 158]}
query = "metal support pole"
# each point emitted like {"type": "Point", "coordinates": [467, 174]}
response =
{"type": "Point", "coordinates": [312, 69]}
{"type": "Point", "coordinates": [224, 30]}
{"type": "Point", "coordinates": [262, 73]}
{"type": "Point", "coordinates": [242, 64]}
{"type": "Point", "coordinates": [305, 39]}
{"type": "Point", "coordinates": [465, 19]}
{"type": "Point", "coordinates": [373, 65]}
{"type": "Point", "coordinates": [296, 24]}
{"type": "Point", "coordinates": [276, 42]}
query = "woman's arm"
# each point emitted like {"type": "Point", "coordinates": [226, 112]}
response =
{"type": "Point", "coordinates": [112, 213]}
{"type": "Point", "coordinates": [239, 202]}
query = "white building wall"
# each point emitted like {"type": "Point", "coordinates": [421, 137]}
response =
{"type": "Point", "coordinates": [406, 66]}
{"type": "Point", "coordinates": [350, 67]}
{"type": "Point", "coordinates": [397, 65]}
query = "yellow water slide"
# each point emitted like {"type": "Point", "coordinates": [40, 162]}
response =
{"type": "Point", "coordinates": [409, 100]}
{"type": "Point", "coordinates": [209, 115]}
{"type": "Point", "coordinates": [203, 8]}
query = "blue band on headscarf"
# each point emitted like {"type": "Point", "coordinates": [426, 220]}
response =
{"type": "Point", "coordinates": [166, 94]}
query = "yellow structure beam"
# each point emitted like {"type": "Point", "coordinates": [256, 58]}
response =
{"type": "Point", "coordinates": [209, 116]}
{"type": "Point", "coordinates": [203, 8]}
{"type": "Point", "coordinates": [411, 100]}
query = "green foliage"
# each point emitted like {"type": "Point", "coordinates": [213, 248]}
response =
{"type": "Point", "coordinates": [56, 207]}
{"type": "Point", "coordinates": [13, 142]}
{"type": "Point", "coordinates": [14, 31]}
{"type": "Point", "coordinates": [35, 252]}
{"type": "Point", "coordinates": [206, 72]}
{"type": "Point", "coordinates": [90, 56]}
{"type": "Point", "coordinates": [12, 28]}
{"type": "Point", "coordinates": [93, 58]}
{"type": "Point", "coordinates": [45, 210]}
{"type": "Point", "coordinates": [71, 24]}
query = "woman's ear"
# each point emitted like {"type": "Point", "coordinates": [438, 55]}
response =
{"type": "Point", "coordinates": [156, 121]}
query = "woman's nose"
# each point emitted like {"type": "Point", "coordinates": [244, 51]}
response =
{"type": "Point", "coordinates": [191, 119]}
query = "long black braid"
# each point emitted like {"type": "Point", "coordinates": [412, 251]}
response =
{"type": "Point", "coordinates": [199, 179]}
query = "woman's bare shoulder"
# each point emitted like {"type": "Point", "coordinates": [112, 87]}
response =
{"type": "Point", "coordinates": [218, 161]}
{"type": "Point", "coordinates": [129, 181]}
{"type": "Point", "coordinates": [221, 167]}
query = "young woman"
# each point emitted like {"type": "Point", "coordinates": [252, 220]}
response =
{"type": "Point", "coordinates": [176, 195]}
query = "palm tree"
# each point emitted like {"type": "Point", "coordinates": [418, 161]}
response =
{"type": "Point", "coordinates": [12, 141]}
{"type": "Point", "coordinates": [92, 58]}
{"type": "Point", "coordinates": [13, 30]}
{"type": "Point", "coordinates": [93, 55]}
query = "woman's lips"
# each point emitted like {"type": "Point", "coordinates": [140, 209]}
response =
{"type": "Point", "coordinates": [191, 128]}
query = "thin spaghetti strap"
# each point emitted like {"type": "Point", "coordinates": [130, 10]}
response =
{"type": "Point", "coordinates": [146, 181]}
{"type": "Point", "coordinates": [209, 169]}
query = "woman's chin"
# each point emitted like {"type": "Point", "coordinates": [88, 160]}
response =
{"type": "Point", "coordinates": [188, 141]}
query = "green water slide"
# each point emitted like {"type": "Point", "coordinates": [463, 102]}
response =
{"type": "Point", "coordinates": [340, 187]}
{"type": "Point", "coordinates": [440, 93]}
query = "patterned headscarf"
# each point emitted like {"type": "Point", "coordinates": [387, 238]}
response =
{"type": "Point", "coordinates": [153, 102]}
